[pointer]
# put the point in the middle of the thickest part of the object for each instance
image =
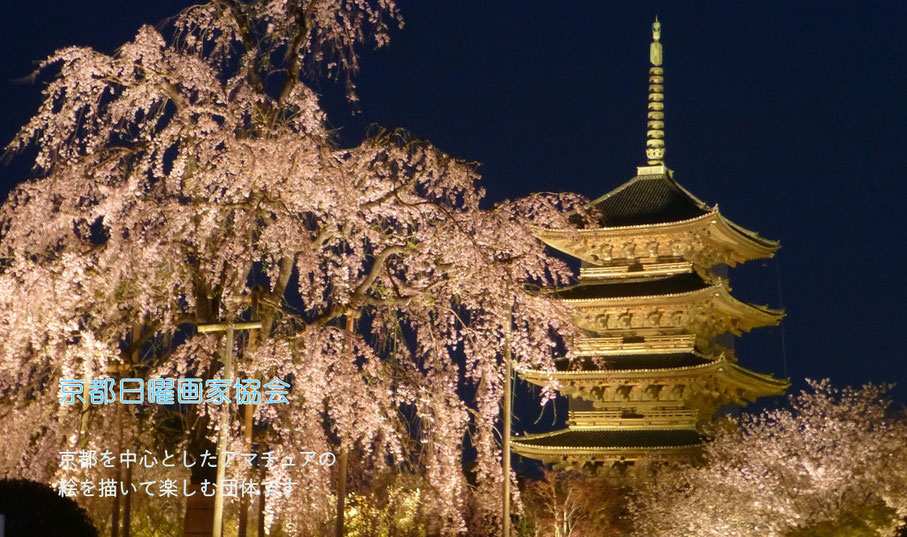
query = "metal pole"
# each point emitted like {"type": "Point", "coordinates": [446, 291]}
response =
{"type": "Point", "coordinates": [507, 412]}
{"type": "Point", "coordinates": [222, 439]}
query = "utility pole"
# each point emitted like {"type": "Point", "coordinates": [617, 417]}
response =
{"type": "Point", "coordinates": [225, 415]}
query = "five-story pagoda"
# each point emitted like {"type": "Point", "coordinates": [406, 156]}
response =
{"type": "Point", "coordinates": [657, 359]}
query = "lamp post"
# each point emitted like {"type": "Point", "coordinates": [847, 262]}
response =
{"type": "Point", "coordinates": [225, 415]}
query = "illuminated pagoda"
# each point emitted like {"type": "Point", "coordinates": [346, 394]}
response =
{"type": "Point", "coordinates": [656, 360]}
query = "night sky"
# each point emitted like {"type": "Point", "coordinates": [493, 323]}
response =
{"type": "Point", "coordinates": [790, 117]}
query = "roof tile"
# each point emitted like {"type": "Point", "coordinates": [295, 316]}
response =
{"type": "Point", "coordinates": [616, 438]}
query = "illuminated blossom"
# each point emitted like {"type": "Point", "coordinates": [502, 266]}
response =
{"type": "Point", "coordinates": [189, 178]}
{"type": "Point", "coordinates": [832, 464]}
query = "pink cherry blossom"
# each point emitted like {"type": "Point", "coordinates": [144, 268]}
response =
{"type": "Point", "coordinates": [190, 178]}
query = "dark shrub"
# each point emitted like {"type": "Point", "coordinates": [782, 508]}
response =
{"type": "Point", "coordinates": [34, 509]}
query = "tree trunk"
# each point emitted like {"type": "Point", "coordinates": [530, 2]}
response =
{"type": "Point", "coordinates": [261, 500]}
{"type": "Point", "coordinates": [127, 504]}
{"type": "Point", "coordinates": [341, 469]}
{"type": "Point", "coordinates": [199, 520]}
{"type": "Point", "coordinates": [115, 513]}
{"type": "Point", "coordinates": [341, 493]}
{"type": "Point", "coordinates": [244, 500]}
{"type": "Point", "coordinates": [127, 500]}
{"type": "Point", "coordinates": [199, 515]}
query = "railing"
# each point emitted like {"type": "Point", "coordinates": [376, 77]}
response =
{"type": "Point", "coordinates": [626, 418]}
{"type": "Point", "coordinates": [630, 271]}
{"type": "Point", "coordinates": [598, 345]}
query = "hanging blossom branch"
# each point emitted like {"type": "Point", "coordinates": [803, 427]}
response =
{"type": "Point", "coordinates": [190, 175]}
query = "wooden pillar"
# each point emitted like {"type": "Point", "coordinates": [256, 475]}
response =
{"type": "Point", "coordinates": [218, 504]}
{"type": "Point", "coordinates": [248, 414]}
{"type": "Point", "coordinates": [222, 440]}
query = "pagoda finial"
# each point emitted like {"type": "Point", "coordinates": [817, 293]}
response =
{"type": "Point", "coordinates": [655, 145]}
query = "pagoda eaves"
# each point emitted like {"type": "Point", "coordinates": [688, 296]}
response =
{"type": "Point", "coordinates": [708, 240]}
{"type": "Point", "coordinates": [572, 449]}
{"type": "Point", "coordinates": [728, 383]}
{"type": "Point", "coordinates": [709, 310]}
{"type": "Point", "coordinates": [652, 218]}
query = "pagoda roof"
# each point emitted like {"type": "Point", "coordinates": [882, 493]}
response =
{"type": "Point", "coordinates": [671, 289]}
{"type": "Point", "coordinates": [653, 199]}
{"type": "Point", "coordinates": [609, 439]}
{"type": "Point", "coordinates": [634, 362]}
{"type": "Point", "coordinates": [646, 200]}
{"type": "Point", "coordinates": [724, 371]}
{"type": "Point", "coordinates": [671, 285]}
{"type": "Point", "coordinates": [652, 204]}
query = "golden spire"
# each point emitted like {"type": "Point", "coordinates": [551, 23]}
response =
{"type": "Point", "coordinates": [655, 144]}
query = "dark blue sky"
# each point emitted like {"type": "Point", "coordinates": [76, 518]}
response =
{"type": "Point", "coordinates": [790, 115]}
